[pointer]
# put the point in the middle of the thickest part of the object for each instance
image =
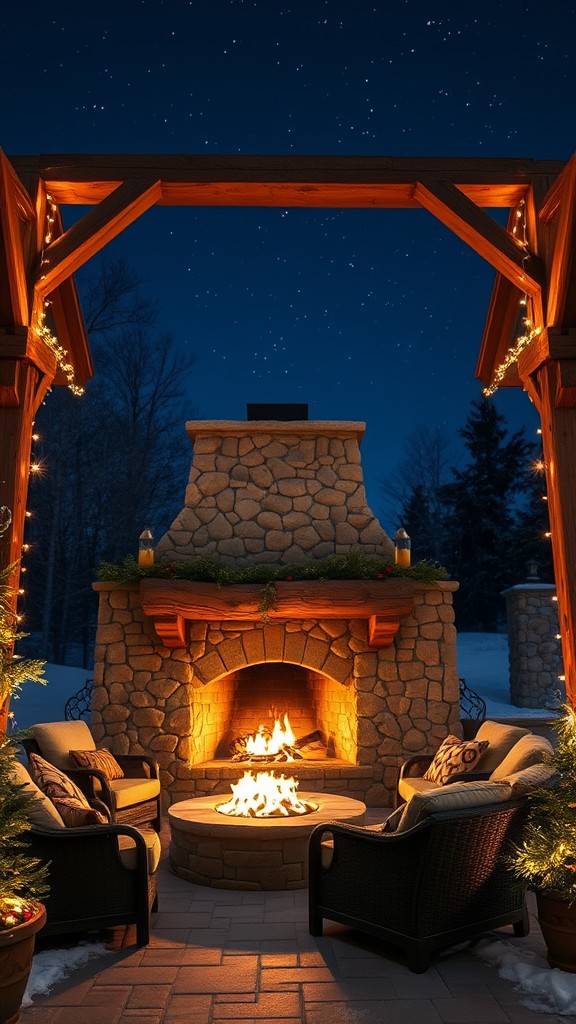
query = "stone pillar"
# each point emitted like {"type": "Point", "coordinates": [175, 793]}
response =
{"type": "Point", "coordinates": [534, 652]}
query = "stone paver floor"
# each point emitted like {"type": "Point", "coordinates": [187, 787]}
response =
{"type": "Point", "coordinates": [220, 955]}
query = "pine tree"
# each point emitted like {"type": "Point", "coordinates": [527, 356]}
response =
{"type": "Point", "coordinates": [481, 504]}
{"type": "Point", "coordinates": [546, 858]}
{"type": "Point", "coordinates": [14, 671]}
{"type": "Point", "coordinates": [417, 521]}
{"type": "Point", "coordinates": [22, 878]}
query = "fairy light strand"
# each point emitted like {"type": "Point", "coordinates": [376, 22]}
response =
{"type": "Point", "coordinates": [531, 332]}
{"type": "Point", "coordinates": [41, 328]}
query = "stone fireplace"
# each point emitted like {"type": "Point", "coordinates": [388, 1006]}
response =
{"type": "Point", "coordinates": [181, 668]}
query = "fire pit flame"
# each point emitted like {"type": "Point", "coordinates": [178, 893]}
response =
{"type": "Point", "coordinates": [265, 795]}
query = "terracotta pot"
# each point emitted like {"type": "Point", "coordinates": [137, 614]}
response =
{"type": "Point", "coordinates": [16, 951]}
{"type": "Point", "coordinates": [557, 917]}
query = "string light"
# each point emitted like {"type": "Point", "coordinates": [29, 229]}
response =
{"type": "Point", "coordinates": [41, 329]}
{"type": "Point", "coordinates": [511, 357]}
{"type": "Point", "coordinates": [547, 535]}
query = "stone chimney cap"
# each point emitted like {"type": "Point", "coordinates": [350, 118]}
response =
{"type": "Point", "coordinates": [301, 428]}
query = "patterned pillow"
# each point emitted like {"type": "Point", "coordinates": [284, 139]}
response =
{"type": "Point", "coordinates": [101, 759]}
{"type": "Point", "coordinates": [74, 815]}
{"type": "Point", "coordinates": [453, 757]}
{"type": "Point", "coordinates": [64, 794]}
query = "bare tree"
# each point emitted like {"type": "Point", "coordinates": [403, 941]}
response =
{"type": "Point", "coordinates": [114, 461]}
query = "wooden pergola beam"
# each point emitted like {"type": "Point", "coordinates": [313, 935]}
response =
{"type": "Point", "coordinates": [481, 233]}
{"type": "Point", "coordinates": [90, 234]}
{"type": "Point", "coordinates": [238, 180]}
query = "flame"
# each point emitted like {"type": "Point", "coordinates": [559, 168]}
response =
{"type": "Point", "coordinates": [282, 736]}
{"type": "Point", "coordinates": [265, 795]}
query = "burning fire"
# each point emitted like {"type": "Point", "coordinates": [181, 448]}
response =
{"type": "Point", "coordinates": [264, 742]}
{"type": "Point", "coordinates": [265, 795]}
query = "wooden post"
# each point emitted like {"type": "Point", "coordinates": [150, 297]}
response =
{"type": "Point", "coordinates": [558, 422]}
{"type": "Point", "coordinates": [22, 388]}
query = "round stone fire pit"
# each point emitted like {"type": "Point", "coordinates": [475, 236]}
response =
{"type": "Point", "coordinates": [224, 852]}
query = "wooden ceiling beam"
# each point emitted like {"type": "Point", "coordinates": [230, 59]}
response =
{"type": "Point", "coordinates": [237, 180]}
{"type": "Point", "coordinates": [481, 233]}
{"type": "Point", "coordinates": [90, 234]}
{"type": "Point", "coordinates": [12, 212]}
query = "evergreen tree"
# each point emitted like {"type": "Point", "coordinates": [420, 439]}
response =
{"type": "Point", "coordinates": [480, 519]}
{"type": "Point", "coordinates": [532, 524]}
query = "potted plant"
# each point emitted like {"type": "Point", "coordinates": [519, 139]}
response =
{"type": "Point", "coordinates": [22, 883]}
{"type": "Point", "coordinates": [546, 859]}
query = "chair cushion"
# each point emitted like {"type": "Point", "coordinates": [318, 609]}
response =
{"type": "Point", "coordinates": [64, 794]}
{"type": "Point", "coordinates": [456, 797]}
{"type": "Point", "coordinates": [126, 792]}
{"type": "Point", "coordinates": [529, 779]}
{"type": "Point", "coordinates": [453, 757]}
{"type": "Point", "coordinates": [408, 786]}
{"type": "Point", "coordinates": [127, 850]}
{"type": "Point", "coordinates": [41, 811]}
{"type": "Point", "coordinates": [57, 739]}
{"type": "Point", "coordinates": [501, 738]}
{"type": "Point", "coordinates": [530, 749]}
{"type": "Point", "coordinates": [101, 758]}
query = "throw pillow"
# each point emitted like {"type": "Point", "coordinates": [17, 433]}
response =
{"type": "Point", "coordinates": [74, 815]}
{"type": "Point", "coordinates": [453, 757]}
{"type": "Point", "coordinates": [101, 758]}
{"type": "Point", "coordinates": [529, 750]}
{"type": "Point", "coordinates": [63, 793]}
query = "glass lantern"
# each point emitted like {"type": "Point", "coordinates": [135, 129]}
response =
{"type": "Point", "coordinates": [146, 548]}
{"type": "Point", "coordinates": [402, 545]}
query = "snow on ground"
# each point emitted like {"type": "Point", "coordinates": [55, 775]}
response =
{"type": "Point", "coordinates": [483, 663]}
{"type": "Point", "coordinates": [52, 966]}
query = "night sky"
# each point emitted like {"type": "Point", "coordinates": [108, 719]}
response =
{"type": "Point", "coordinates": [366, 315]}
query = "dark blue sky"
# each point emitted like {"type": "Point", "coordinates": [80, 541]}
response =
{"type": "Point", "coordinates": [367, 315]}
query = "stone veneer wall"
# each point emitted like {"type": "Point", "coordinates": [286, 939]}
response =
{"type": "Point", "coordinates": [271, 491]}
{"type": "Point", "coordinates": [534, 652]}
{"type": "Point", "coordinates": [382, 705]}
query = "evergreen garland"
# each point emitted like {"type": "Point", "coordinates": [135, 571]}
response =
{"type": "Point", "coordinates": [22, 878]}
{"type": "Point", "coordinates": [14, 671]}
{"type": "Point", "coordinates": [351, 566]}
{"type": "Point", "coordinates": [546, 859]}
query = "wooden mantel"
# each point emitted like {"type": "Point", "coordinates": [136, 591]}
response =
{"type": "Point", "coordinates": [171, 603]}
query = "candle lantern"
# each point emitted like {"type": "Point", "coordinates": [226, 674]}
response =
{"type": "Point", "coordinates": [402, 545]}
{"type": "Point", "coordinates": [146, 548]}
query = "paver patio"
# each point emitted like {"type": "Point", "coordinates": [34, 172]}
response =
{"type": "Point", "coordinates": [222, 955]}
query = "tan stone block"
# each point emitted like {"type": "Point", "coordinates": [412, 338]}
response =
{"type": "Point", "coordinates": [100, 698]}
{"type": "Point", "coordinates": [148, 716]}
{"type": "Point", "coordinates": [414, 741]}
{"type": "Point", "coordinates": [274, 642]}
{"type": "Point", "coordinates": [399, 705]}
{"type": "Point", "coordinates": [337, 668]}
{"type": "Point", "coordinates": [146, 662]}
{"type": "Point", "coordinates": [428, 651]}
{"type": "Point", "coordinates": [433, 597]}
{"type": "Point", "coordinates": [366, 665]}
{"type": "Point", "coordinates": [209, 667]}
{"type": "Point", "coordinates": [118, 599]}
{"type": "Point", "coordinates": [432, 631]}
{"type": "Point", "coordinates": [253, 644]}
{"type": "Point", "coordinates": [277, 540]}
{"type": "Point", "coordinates": [315, 653]}
{"type": "Point", "coordinates": [163, 688]}
{"type": "Point", "coordinates": [330, 497]}
{"type": "Point", "coordinates": [142, 699]}
{"type": "Point", "coordinates": [438, 713]}
{"type": "Point", "coordinates": [114, 713]}
{"type": "Point", "coordinates": [112, 633]}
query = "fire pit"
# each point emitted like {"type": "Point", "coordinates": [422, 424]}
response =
{"type": "Point", "coordinates": [265, 795]}
{"type": "Point", "coordinates": [253, 853]}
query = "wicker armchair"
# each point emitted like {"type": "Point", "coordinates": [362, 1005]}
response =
{"type": "Point", "coordinates": [442, 881]}
{"type": "Point", "coordinates": [132, 800]}
{"type": "Point", "coordinates": [90, 886]}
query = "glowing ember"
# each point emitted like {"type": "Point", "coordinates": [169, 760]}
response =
{"type": "Point", "coordinates": [265, 742]}
{"type": "Point", "coordinates": [265, 795]}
